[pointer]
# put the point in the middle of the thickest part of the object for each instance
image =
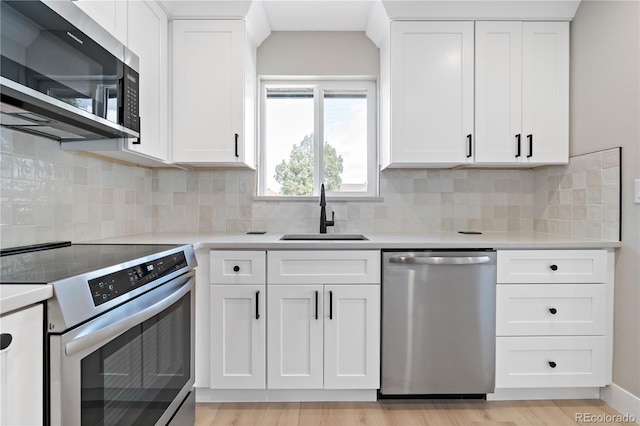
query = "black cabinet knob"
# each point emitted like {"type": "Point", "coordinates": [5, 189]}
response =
{"type": "Point", "coordinates": [554, 267]}
{"type": "Point", "coordinates": [5, 340]}
{"type": "Point", "coordinates": [553, 311]}
{"type": "Point", "coordinates": [236, 268]}
{"type": "Point", "coordinates": [552, 364]}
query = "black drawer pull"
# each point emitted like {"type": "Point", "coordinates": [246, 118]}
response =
{"type": "Point", "coordinates": [316, 304]}
{"type": "Point", "coordinates": [331, 305]}
{"type": "Point", "coordinates": [530, 137]}
{"type": "Point", "coordinates": [553, 267]}
{"type": "Point", "coordinates": [470, 146]}
{"type": "Point", "coordinates": [236, 268]}
{"type": "Point", "coordinates": [5, 341]}
{"type": "Point", "coordinates": [518, 153]}
{"type": "Point", "coordinates": [552, 364]}
{"type": "Point", "coordinates": [257, 305]}
{"type": "Point", "coordinates": [237, 135]}
{"type": "Point", "coordinates": [553, 311]}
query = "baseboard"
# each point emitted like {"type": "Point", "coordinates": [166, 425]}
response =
{"type": "Point", "coordinates": [284, 395]}
{"type": "Point", "coordinates": [621, 400]}
{"type": "Point", "coordinates": [515, 394]}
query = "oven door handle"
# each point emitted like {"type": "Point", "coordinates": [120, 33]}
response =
{"type": "Point", "coordinates": [144, 312]}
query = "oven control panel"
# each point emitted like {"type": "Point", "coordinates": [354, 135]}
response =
{"type": "Point", "coordinates": [111, 286]}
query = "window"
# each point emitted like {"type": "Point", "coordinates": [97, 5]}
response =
{"type": "Point", "coordinates": [318, 132]}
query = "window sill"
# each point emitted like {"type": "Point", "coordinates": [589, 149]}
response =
{"type": "Point", "coordinates": [317, 199]}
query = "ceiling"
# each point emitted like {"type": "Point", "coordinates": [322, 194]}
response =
{"type": "Point", "coordinates": [282, 15]}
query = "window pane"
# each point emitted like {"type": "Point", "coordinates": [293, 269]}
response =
{"type": "Point", "coordinates": [345, 138]}
{"type": "Point", "coordinates": [288, 149]}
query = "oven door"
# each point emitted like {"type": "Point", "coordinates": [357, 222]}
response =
{"type": "Point", "coordinates": [133, 365]}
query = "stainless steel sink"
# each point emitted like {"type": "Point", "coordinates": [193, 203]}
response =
{"type": "Point", "coordinates": [307, 237]}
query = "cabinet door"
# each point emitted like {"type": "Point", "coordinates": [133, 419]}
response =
{"type": "Point", "coordinates": [21, 367]}
{"type": "Point", "coordinates": [432, 92]}
{"type": "Point", "coordinates": [148, 39]}
{"type": "Point", "coordinates": [498, 92]}
{"type": "Point", "coordinates": [295, 342]}
{"type": "Point", "coordinates": [110, 14]}
{"type": "Point", "coordinates": [238, 337]}
{"type": "Point", "coordinates": [208, 99]}
{"type": "Point", "coordinates": [545, 92]}
{"type": "Point", "coordinates": [352, 337]}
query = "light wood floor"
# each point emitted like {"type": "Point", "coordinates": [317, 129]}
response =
{"type": "Point", "coordinates": [400, 413]}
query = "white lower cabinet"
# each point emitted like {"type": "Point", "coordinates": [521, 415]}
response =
{"type": "Point", "coordinates": [567, 361]}
{"type": "Point", "coordinates": [313, 325]}
{"type": "Point", "coordinates": [21, 367]}
{"type": "Point", "coordinates": [323, 337]}
{"type": "Point", "coordinates": [295, 337]}
{"type": "Point", "coordinates": [554, 316]}
{"type": "Point", "coordinates": [352, 337]}
{"type": "Point", "coordinates": [238, 337]}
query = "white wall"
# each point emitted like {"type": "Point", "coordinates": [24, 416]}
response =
{"type": "Point", "coordinates": [605, 112]}
{"type": "Point", "coordinates": [318, 53]}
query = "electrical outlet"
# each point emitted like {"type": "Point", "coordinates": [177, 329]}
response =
{"type": "Point", "coordinates": [637, 191]}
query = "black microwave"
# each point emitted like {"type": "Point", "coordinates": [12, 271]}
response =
{"type": "Point", "coordinates": [63, 76]}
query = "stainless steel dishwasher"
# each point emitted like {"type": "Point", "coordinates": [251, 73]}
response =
{"type": "Point", "coordinates": [438, 322]}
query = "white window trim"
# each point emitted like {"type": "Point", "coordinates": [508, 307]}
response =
{"type": "Point", "coordinates": [319, 85]}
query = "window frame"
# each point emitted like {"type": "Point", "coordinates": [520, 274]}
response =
{"type": "Point", "coordinates": [319, 86]}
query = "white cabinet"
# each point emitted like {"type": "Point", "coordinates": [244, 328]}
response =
{"type": "Point", "coordinates": [213, 93]}
{"type": "Point", "coordinates": [110, 14]}
{"type": "Point", "coordinates": [352, 337]}
{"type": "Point", "coordinates": [522, 93]}
{"type": "Point", "coordinates": [323, 337]}
{"type": "Point", "coordinates": [237, 320]}
{"type": "Point", "coordinates": [430, 94]}
{"type": "Point", "coordinates": [324, 319]}
{"type": "Point", "coordinates": [148, 38]}
{"type": "Point", "coordinates": [21, 367]}
{"type": "Point", "coordinates": [493, 95]}
{"type": "Point", "coordinates": [295, 337]}
{"type": "Point", "coordinates": [553, 318]}
{"type": "Point", "coordinates": [238, 337]}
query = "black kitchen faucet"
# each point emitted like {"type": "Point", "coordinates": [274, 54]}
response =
{"type": "Point", "coordinates": [323, 213]}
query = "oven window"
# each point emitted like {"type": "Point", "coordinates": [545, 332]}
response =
{"type": "Point", "coordinates": [133, 378]}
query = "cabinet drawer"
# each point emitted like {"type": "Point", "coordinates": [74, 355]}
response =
{"type": "Point", "coordinates": [237, 267]}
{"type": "Point", "coordinates": [523, 362]}
{"type": "Point", "coordinates": [324, 267]}
{"type": "Point", "coordinates": [552, 266]}
{"type": "Point", "coordinates": [550, 309]}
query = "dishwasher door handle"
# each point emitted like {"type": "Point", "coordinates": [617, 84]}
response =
{"type": "Point", "coordinates": [440, 260]}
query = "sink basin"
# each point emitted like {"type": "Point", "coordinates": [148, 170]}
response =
{"type": "Point", "coordinates": [325, 237]}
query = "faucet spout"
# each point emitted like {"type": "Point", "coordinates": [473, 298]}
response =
{"type": "Point", "coordinates": [323, 213]}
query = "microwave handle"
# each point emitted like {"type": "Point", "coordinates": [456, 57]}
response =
{"type": "Point", "coordinates": [113, 330]}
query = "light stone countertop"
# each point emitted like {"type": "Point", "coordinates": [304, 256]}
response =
{"type": "Point", "coordinates": [377, 241]}
{"type": "Point", "coordinates": [17, 296]}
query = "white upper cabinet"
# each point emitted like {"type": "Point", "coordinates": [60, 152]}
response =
{"type": "Point", "coordinates": [431, 94]}
{"type": "Point", "coordinates": [213, 93]}
{"type": "Point", "coordinates": [110, 14]}
{"type": "Point", "coordinates": [522, 93]}
{"type": "Point", "coordinates": [148, 32]}
{"type": "Point", "coordinates": [545, 91]}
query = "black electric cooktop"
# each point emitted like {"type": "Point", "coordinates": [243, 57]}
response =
{"type": "Point", "coordinates": [64, 260]}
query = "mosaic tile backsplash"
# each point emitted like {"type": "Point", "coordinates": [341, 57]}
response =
{"type": "Point", "coordinates": [581, 199]}
{"type": "Point", "coordinates": [48, 194]}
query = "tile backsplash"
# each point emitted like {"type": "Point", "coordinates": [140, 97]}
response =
{"type": "Point", "coordinates": [51, 195]}
{"type": "Point", "coordinates": [581, 199]}
{"type": "Point", "coordinates": [411, 201]}
{"type": "Point", "coordinates": [48, 194]}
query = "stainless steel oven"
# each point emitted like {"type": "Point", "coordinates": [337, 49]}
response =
{"type": "Point", "coordinates": [120, 332]}
{"type": "Point", "coordinates": [130, 366]}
